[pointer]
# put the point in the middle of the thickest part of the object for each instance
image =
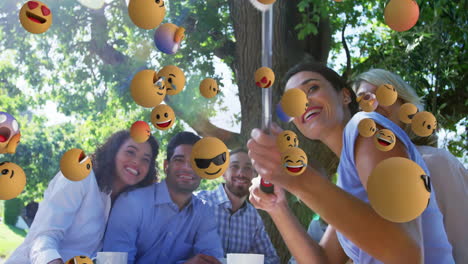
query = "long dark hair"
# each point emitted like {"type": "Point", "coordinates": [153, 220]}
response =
{"type": "Point", "coordinates": [330, 75]}
{"type": "Point", "coordinates": [104, 161]}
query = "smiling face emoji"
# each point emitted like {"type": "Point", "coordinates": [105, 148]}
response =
{"type": "Point", "coordinates": [79, 260]}
{"type": "Point", "coordinates": [264, 77]}
{"type": "Point", "coordinates": [210, 158]}
{"type": "Point", "coordinates": [147, 14]}
{"type": "Point", "coordinates": [168, 37]}
{"type": "Point", "coordinates": [367, 102]}
{"type": "Point", "coordinates": [174, 79]}
{"type": "Point", "coordinates": [209, 88]}
{"type": "Point", "coordinates": [398, 189]}
{"type": "Point", "coordinates": [367, 127]}
{"type": "Point", "coordinates": [407, 112]}
{"type": "Point", "coordinates": [286, 139]}
{"type": "Point", "coordinates": [384, 140]}
{"type": "Point", "coordinates": [294, 102]}
{"type": "Point", "coordinates": [9, 128]}
{"type": "Point", "coordinates": [140, 131]}
{"type": "Point", "coordinates": [147, 89]}
{"type": "Point", "coordinates": [423, 124]}
{"type": "Point", "coordinates": [386, 95]}
{"type": "Point", "coordinates": [12, 180]}
{"type": "Point", "coordinates": [294, 161]}
{"type": "Point", "coordinates": [75, 165]}
{"type": "Point", "coordinates": [163, 117]}
{"type": "Point", "coordinates": [35, 17]}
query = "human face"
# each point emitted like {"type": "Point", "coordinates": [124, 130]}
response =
{"type": "Point", "coordinates": [239, 175]}
{"type": "Point", "coordinates": [180, 175]}
{"type": "Point", "coordinates": [390, 112]}
{"type": "Point", "coordinates": [327, 107]}
{"type": "Point", "coordinates": [132, 162]}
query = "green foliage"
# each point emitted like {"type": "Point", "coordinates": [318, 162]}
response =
{"type": "Point", "coordinates": [12, 211]}
{"type": "Point", "coordinates": [10, 238]}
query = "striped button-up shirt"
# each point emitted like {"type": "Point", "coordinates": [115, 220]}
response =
{"type": "Point", "coordinates": [242, 231]}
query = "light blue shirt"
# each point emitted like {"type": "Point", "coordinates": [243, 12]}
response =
{"type": "Point", "coordinates": [437, 249]}
{"type": "Point", "coordinates": [148, 225]}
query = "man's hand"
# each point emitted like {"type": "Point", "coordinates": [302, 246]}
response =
{"type": "Point", "coordinates": [203, 259]}
{"type": "Point", "coordinates": [56, 261]}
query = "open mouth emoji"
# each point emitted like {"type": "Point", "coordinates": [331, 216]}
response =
{"type": "Point", "coordinates": [295, 161]}
{"type": "Point", "coordinates": [384, 140]}
{"type": "Point", "coordinates": [164, 123]}
{"type": "Point", "coordinates": [4, 134]}
{"type": "Point", "coordinates": [163, 117]}
{"type": "Point", "coordinates": [75, 165]}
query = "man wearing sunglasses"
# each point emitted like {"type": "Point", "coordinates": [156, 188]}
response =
{"type": "Point", "coordinates": [239, 225]}
{"type": "Point", "coordinates": [165, 222]}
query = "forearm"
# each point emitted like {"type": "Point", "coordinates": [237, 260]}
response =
{"type": "Point", "coordinates": [300, 244]}
{"type": "Point", "coordinates": [378, 237]}
{"type": "Point", "coordinates": [44, 249]}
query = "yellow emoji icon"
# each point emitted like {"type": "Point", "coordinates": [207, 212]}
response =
{"type": "Point", "coordinates": [163, 117]}
{"type": "Point", "coordinates": [210, 158]}
{"type": "Point", "coordinates": [267, 2]}
{"type": "Point", "coordinates": [35, 17]}
{"type": "Point", "coordinates": [384, 140]}
{"type": "Point", "coordinates": [168, 37]}
{"type": "Point", "coordinates": [386, 94]}
{"type": "Point", "coordinates": [79, 260]}
{"type": "Point", "coordinates": [147, 89]}
{"type": "Point", "coordinates": [401, 15]}
{"type": "Point", "coordinates": [286, 139]}
{"type": "Point", "coordinates": [398, 189]}
{"type": "Point", "coordinates": [264, 77]}
{"type": "Point", "coordinates": [367, 127]}
{"type": "Point", "coordinates": [294, 102]}
{"type": "Point", "coordinates": [407, 112]}
{"type": "Point", "coordinates": [294, 161]}
{"type": "Point", "coordinates": [367, 102]}
{"type": "Point", "coordinates": [174, 79]}
{"type": "Point", "coordinates": [12, 180]}
{"type": "Point", "coordinates": [75, 165]}
{"type": "Point", "coordinates": [11, 145]}
{"type": "Point", "coordinates": [147, 14]}
{"type": "Point", "coordinates": [9, 130]}
{"type": "Point", "coordinates": [423, 124]}
{"type": "Point", "coordinates": [140, 131]}
{"type": "Point", "coordinates": [209, 88]}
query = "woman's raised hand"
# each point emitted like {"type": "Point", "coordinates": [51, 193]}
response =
{"type": "Point", "coordinates": [271, 203]}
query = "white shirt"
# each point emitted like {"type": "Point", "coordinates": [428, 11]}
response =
{"type": "Point", "coordinates": [71, 221]}
{"type": "Point", "coordinates": [450, 181]}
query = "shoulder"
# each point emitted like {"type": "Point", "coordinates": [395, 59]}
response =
{"type": "Point", "coordinates": [61, 184]}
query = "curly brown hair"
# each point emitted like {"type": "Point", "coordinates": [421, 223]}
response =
{"type": "Point", "coordinates": [104, 161]}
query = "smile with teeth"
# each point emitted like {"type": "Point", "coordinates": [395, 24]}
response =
{"type": "Point", "coordinates": [384, 142]}
{"type": "Point", "coordinates": [164, 123]}
{"type": "Point", "coordinates": [132, 171]}
{"type": "Point", "coordinates": [294, 169]}
{"type": "Point", "coordinates": [242, 181]}
{"type": "Point", "coordinates": [311, 113]}
{"type": "Point", "coordinates": [35, 18]}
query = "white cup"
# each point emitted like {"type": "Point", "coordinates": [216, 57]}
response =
{"type": "Point", "coordinates": [240, 258]}
{"type": "Point", "coordinates": [111, 258]}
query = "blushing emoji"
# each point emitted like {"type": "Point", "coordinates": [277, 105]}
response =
{"type": "Point", "coordinates": [163, 117]}
{"type": "Point", "coordinates": [140, 131]}
{"type": "Point", "coordinates": [209, 88]}
{"type": "Point", "coordinates": [9, 130]}
{"type": "Point", "coordinates": [294, 102]}
{"type": "Point", "coordinates": [264, 77]}
{"type": "Point", "coordinates": [367, 127]}
{"type": "Point", "coordinates": [386, 94]}
{"type": "Point", "coordinates": [286, 139]}
{"type": "Point", "coordinates": [12, 180]}
{"type": "Point", "coordinates": [79, 260]}
{"type": "Point", "coordinates": [35, 17]}
{"type": "Point", "coordinates": [209, 158]}
{"type": "Point", "coordinates": [407, 112]}
{"type": "Point", "coordinates": [294, 161]}
{"type": "Point", "coordinates": [367, 102]}
{"type": "Point", "coordinates": [168, 37]}
{"type": "Point", "coordinates": [75, 165]}
{"type": "Point", "coordinates": [398, 189]}
{"type": "Point", "coordinates": [147, 14]}
{"type": "Point", "coordinates": [147, 89]}
{"type": "Point", "coordinates": [384, 140]}
{"type": "Point", "coordinates": [423, 124]}
{"type": "Point", "coordinates": [174, 79]}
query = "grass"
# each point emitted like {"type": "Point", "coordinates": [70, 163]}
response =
{"type": "Point", "coordinates": [10, 238]}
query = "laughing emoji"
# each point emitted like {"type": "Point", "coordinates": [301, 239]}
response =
{"type": "Point", "coordinates": [210, 158]}
{"type": "Point", "coordinates": [407, 112]}
{"type": "Point", "coordinates": [386, 94]}
{"type": "Point", "coordinates": [75, 165]}
{"type": "Point", "coordinates": [163, 117]}
{"type": "Point", "coordinates": [264, 77]}
{"type": "Point", "coordinates": [12, 180]}
{"type": "Point", "coordinates": [294, 161]}
{"type": "Point", "coordinates": [35, 17]}
{"type": "Point", "coordinates": [384, 140]}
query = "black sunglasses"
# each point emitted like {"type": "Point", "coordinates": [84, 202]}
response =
{"type": "Point", "coordinates": [205, 163]}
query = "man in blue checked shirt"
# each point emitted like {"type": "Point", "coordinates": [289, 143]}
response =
{"type": "Point", "coordinates": [239, 224]}
{"type": "Point", "coordinates": [165, 223]}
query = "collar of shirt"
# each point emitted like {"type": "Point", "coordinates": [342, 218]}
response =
{"type": "Point", "coordinates": [220, 198]}
{"type": "Point", "coordinates": [162, 196]}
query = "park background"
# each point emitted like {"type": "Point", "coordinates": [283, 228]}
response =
{"type": "Point", "coordinates": [69, 87]}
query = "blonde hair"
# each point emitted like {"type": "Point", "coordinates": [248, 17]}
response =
{"type": "Point", "coordinates": [406, 93]}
